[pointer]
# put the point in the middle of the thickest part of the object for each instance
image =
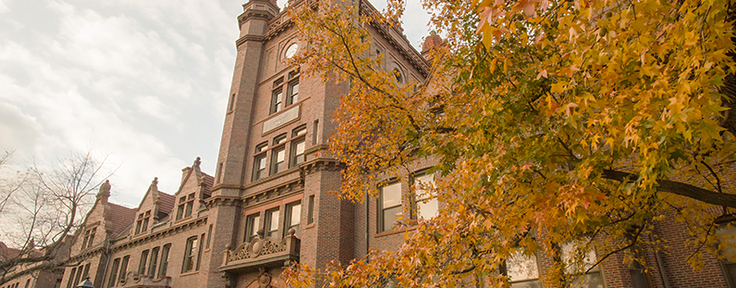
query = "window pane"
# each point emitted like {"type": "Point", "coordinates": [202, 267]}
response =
{"type": "Point", "coordinates": [569, 258]}
{"type": "Point", "coordinates": [520, 267]}
{"type": "Point", "coordinates": [390, 216]}
{"type": "Point", "coordinates": [296, 214]}
{"type": "Point", "coordinates": [391, 195]}
{"type": "Point", "coordinates": [428, 208]}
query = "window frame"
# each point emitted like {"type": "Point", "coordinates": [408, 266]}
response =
{"type": "Point", "coordinates": [252, 224]}
{"type": "Point", "coordinates": [112, 281]}
{"type": "Point", "coordinates": [291, 96]}
{"type": "Point", "coordinates": [288, 217]}
{"type": "Point", "coordinates": [143, 262]}
{"type": "Point", "coordinates": [277, 96]}
{"type": "Point", "coordinates": [259, 155]}
{"type": "Point", "coordinates": [141, 225]}
{"type": "Point", "coordinates": [383, 210]}
{"type": "Point", "coordinates": [278, 166]}
{"type": "Point", "coordinates": [269, 231]}
{"type": "Point", "coordinates": [153, 262]}
{"type": "Point", "coordinates": [416, 199]}
{"type": "Point", "coordinates": [190, 248]}
{"type": "Point", "coordinates": [164, 266]}
{"type": "Point", "coordinates": [298, 137]}
{"type": "Point", "coordinates": [185, 207]}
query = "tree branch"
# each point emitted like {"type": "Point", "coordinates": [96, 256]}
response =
{"type": "Point", "coordinates": [678, 188]}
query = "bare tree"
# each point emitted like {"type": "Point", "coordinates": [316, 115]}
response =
{"type": "Point", "coordinates": [46, 206]}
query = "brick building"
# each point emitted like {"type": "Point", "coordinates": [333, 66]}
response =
{"type": "Point", "coordinates": [268, 202]}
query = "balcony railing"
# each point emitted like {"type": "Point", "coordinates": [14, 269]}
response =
{"type": "Point", "coordinates": [262, 252]}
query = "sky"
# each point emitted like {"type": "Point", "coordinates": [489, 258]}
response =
{"type": "Point", "coordinates": [141, 82]}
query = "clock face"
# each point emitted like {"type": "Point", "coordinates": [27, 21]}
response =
{"type": "Point", "coordinates": [291, 51]}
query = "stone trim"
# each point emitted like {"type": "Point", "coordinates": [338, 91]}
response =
{"type": "Point", "coordinates": [179, 228]}
{"type": "Point", "coordinates": [284, 189]}
{"type": "Point", "coordinates": [246, 38]}
{"type": "Point", "coordinates": [321, 164]}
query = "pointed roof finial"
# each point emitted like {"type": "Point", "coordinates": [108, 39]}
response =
{"type": "Point", "coordinates": [155, 181]}
{"type": "Point", "coordinates": [104, 190]}
{"type": "Point", "coordinates": [197, 161]}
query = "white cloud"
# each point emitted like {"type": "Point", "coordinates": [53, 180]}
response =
{"type": "Point", "coordinates": [4, 6]}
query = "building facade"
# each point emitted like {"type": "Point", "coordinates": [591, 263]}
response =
{"type": "Point", "coordinates": [269, 202]}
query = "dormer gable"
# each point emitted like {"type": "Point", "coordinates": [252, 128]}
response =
{"type": "Point", "coordinates": [194, 188]}
{"type": "Point", "coordinates": [103, 221]}
{"type": "Point", "coordinates": [154, 207]}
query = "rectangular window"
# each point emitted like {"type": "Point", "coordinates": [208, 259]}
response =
{"type": "Point", "coordinates": [297, 152]}
{"type": "Point", "coordinates": [310, 211]}
{"type": "Point", "coordinates": [114, 273]}
{"type": "Point", "coordinates": [523, 271]}
{"type": "Point", "coordinates": [278, 161]}
{"type": "Point", "coordinates": [209, 237]}
{"type": "Point", "coordinates": [142, 224]}
{"type": "Point", "coordinates": [184, 209]}
{"type": "Point", "coordinates": [199, 251]}
{"type": "Point", "coordinates": [272, 223]}
{"type": "Point", "coordinates": [590, 279]}
{"type": "Point", "coordinates": [292, 92]}
{"type": "Point", "coordinates": [189, 252]}
{"type": "Point", "coordinates": [180, 208]}
{"type": "Point", "coordinates": [153, 262]}
{"type": "Point", "coordinates": [276, 98]}
{"type": "Point", "coordinates": [293, 218]}
{"type": "Point", "coordinates": [79, 274]}
{"type": "Point", "coordinates": [315, 128]}
{"type": "Point", "coordinates": [164, 261]}
{"type": "Point", "coordinates": [143, 262]}
{"type": "Point", "coordinates": [389, 206]}
{"type": "Point", "coordinates": [425, 204]}
{"type": "Point", "coordinates": [252, 224]}
{"type": "Point", "coordinates": [71, 278]}
{"type": "Point", "coordinates": [232, 102]}
{"type": "Point", "coordinates": [123, 268]}
{"type": "Point", "coordinates": [259, 161]}
{"type": "Point", "coordinates": [89, 237]}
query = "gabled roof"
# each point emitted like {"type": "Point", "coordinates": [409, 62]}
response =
{"type": "Point", "coordinates": [122, 218]}
{"type": "Point", "coordinates": [8, 253]}
{"type": "Point", "coordinates": [166, 203]}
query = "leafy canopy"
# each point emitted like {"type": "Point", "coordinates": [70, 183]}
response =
{"type": "Point", "coordinates": [549, 121]}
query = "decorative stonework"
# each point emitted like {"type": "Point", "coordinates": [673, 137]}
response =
{"type": "Point", "coordinates": [321, 164]}
{"type": "Point", "coordinates": [262, 252]}
{"type": "Point", "coordinates": [135, 280]}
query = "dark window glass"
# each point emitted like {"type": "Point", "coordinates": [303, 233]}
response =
{"type": "Point", "coordinates": [310, 212]}
{"type": "Point", "coordinates": [278, 161]}
{"type": "Point", "coordinates": [297, 152]}
{"type": "Point", "coordinates": [292, 92]}
{"type": "Point", "coordinates": [252, 224]}
{"type": "Point", "coordinates": [143, 262]}
{"type": "Point", "coordinates": [123, 268]}
{"type": "Point", "coordinates": [153, 262]}
{"type": "Point", "coordinates": [189, 252]}
{"type": "Point", "coordinates": [164, 261]}
{"type": "Point", "coordinates": [114, 273]}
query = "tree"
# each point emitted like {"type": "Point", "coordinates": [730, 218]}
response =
{"type": "Point", "coordinates": [552, 122]}
{"type": "Point", "coordinates": [45, 206]}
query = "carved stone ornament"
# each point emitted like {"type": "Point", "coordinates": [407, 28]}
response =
{"type": "Point", "coordinates": [264, 279]}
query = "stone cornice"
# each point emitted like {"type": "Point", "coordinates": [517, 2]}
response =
{"type": "Point", "coordinates": [216, 201]}
{"type": "Point", "coordinates": [179, 228]}
{"type": "Point", "coordinates": [321, 164]}
{"type": "Point", "coordinates": [86, 254]}
{"type": "Point", "coordinates": [246, 38]}
{"type": "Point", "coordinates": [273, 193]}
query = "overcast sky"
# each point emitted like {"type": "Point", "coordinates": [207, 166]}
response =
{"type": "Point", "coordinates": [145, 81]}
